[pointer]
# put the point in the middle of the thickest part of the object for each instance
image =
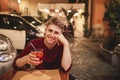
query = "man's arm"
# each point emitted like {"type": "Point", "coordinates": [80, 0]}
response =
{"type": "Point", "coordinates": [66, 58]}
{"type": "Point", "coordinates": [20, 62]}
{"type": "Point", "coordinates": [28, 59]}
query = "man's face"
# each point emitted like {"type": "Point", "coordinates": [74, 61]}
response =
{"type": "Point", "coordinates": [51, 33]}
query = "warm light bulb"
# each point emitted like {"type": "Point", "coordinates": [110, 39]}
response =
{"type": "Point", "coordinates": [56, 10]}
{"type": "Point", "coordinates": [46, 10]}
{"type": "Point", "coordinates": [19, 1]}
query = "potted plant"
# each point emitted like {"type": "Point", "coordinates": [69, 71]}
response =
{"type": "Point", "coordinates": [69, 28]}
{"type": "Point", "coordinates": [69, 15]}
{"type": "Point", "coordinates": [87, 31]}
{"type": "Point", "coordinates": [112, 16]}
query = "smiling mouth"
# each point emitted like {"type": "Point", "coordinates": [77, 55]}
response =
{"type": "Point", "coordinates": [50, 38]}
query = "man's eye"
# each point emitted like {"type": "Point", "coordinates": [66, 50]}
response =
{"type": "Point", "coordinates": [56, 33]}
{"type": "Point", "coordinates": [50, 30]}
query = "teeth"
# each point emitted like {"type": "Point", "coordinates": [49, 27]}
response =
{"type": "Point", "coordinates": [51, 39]}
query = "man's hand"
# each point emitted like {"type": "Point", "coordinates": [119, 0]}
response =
{"type": "Point", "coordinates": [32, 59]}
{"type": "Point", "coordinates": [62, 39]}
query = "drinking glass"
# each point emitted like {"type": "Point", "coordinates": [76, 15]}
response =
{"type": "Point", "coordinates": [38, 54]}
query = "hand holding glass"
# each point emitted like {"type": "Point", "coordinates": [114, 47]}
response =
{"type": "Point", "coordinates": [39, 54]}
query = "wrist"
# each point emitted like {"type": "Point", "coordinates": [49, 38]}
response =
{"type": "Point", "coordinates": [20, 62]}
{"type": "Point", "coordinates": [23, 60]}
{"type": "Point", "coordinates": [66, 43]}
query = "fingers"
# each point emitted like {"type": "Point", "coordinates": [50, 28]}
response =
{"type": "Point", "coordinates": [33, 60]}
{"type": "Point", "coordinates": [62, 39]}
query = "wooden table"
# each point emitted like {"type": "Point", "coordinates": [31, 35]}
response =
{"type": "Point", "coordinates": [11, 73]}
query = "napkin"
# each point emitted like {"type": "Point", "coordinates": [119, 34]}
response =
{"type": "Point", "coordinates": [36, 75]}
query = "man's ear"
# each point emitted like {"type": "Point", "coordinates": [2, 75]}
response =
{"type": "Point", "coordinates": [45, 29]}
{"type": "Point", "coordinates": [44, 34]}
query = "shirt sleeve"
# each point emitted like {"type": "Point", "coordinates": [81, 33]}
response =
{"type": "Point", "coordinates": [26, 51]}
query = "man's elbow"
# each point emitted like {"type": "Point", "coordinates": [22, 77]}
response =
{"type": "Point", "coordinates": [67, 67]}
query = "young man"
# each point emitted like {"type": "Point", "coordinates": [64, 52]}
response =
{"type": "Point", "coordinates": [56, 52]}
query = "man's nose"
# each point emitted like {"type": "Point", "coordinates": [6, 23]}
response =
{"type": "Point", "coordinates": [52, 34]}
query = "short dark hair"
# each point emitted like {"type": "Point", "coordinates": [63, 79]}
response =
{"type": "Point", "coordinates": [56, 21]}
